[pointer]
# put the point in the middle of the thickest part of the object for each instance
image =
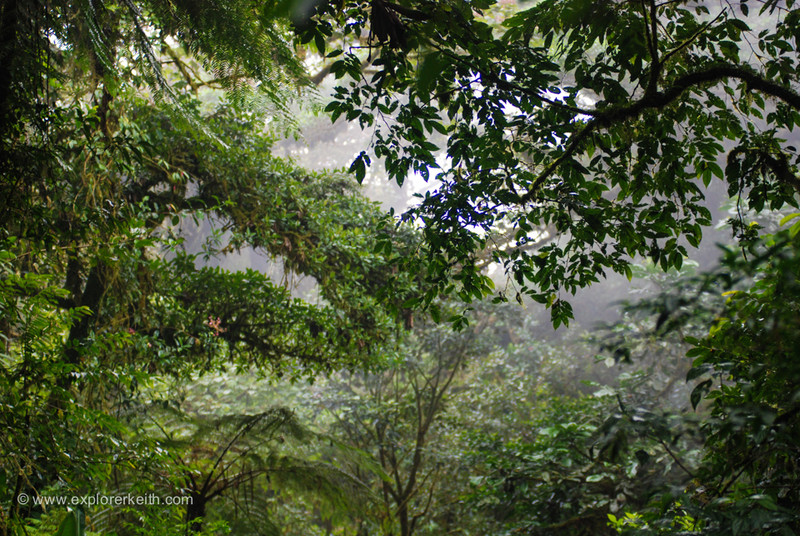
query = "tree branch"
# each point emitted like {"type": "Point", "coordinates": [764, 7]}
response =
{"type": "Point", "coordinates": [689, 40]}
{"type": "Point", "coordinates": [549, 170]}
{"type": "Point", "coordinates": [658, 100]}
{"type": "Point", "coordinates": [413, 14]}
{"type": "Point", "coordinates": [650, 34]}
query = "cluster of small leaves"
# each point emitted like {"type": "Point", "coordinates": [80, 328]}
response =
{"type": "Point", "coordinates": [590, 130]}
{"type": "Point", "coordinates": [746, 368]}
{"type": "Point", "coordinates": [271, 330]}
{"type": "Point", "coordinates": [581, 459]}
{"type": "Point", "coordinates": [745, 391]}
{"type": "Point", "coordinates": [35, 384]}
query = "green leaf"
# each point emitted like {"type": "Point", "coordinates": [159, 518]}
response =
{"type": "Point", "coordinates": [359, 166]}
{"type": "Point", "coordinates": [319, 42]}
{"type": "Point", "coordinates": [698, 393]}
{"type": "Point", "coordinates": [786, 219]}
{"type": "Point", "coordinates": [71, 525]}
{"type": "Point", "coordinates": [696, 372]}
{"type": "Point", "coordinates": [794, 229]}
{"type": "Point", "coordinates": [765, 501]}
{"type": "Point", "coordinates": [429, 71]}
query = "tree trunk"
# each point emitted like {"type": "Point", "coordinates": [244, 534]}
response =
{"type": "Point", "coordinates": [405, 526]}
{"type": "Point", "coordinates": [8, 46]}
{"type": "Point", "coordinates": [195, 511]}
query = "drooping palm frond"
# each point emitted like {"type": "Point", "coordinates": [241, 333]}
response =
{"type": "Point", "coordinates": [244, 44]}
{"type": "Point", "coordinates": [97, 38]}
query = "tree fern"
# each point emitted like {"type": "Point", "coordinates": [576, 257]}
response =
{"type": "Point", "coordinates": [240, 468]}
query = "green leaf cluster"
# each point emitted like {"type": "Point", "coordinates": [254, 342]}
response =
{"type": "Point", "coordinates": [578, 136]}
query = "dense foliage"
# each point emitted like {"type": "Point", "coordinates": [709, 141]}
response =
{"type": "Point", "coordinates": [115, 150]}
{"type": "Point", "coordinates": [746, 367]}
{"type": "Point", "coordinates": [563, 141]}
{"type": "Point", "coordinates": [577, 134]}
